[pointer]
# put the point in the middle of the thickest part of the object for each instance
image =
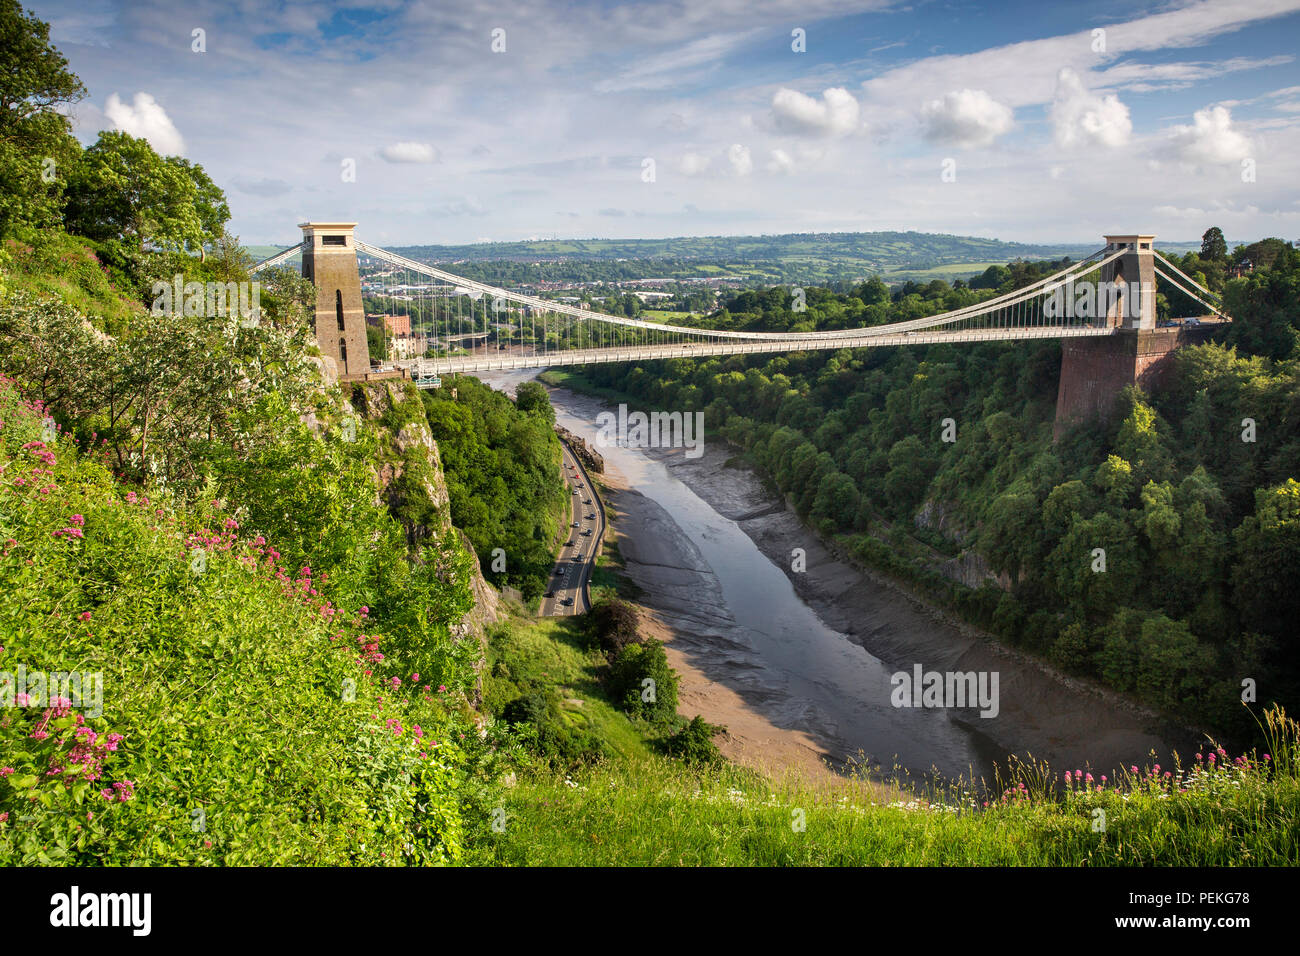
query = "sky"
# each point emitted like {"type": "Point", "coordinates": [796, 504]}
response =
{"type": "Point", "coordinates": [432, 122]}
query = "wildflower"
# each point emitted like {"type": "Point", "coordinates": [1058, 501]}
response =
{"type": "Point", "coordinates": [85, 615]}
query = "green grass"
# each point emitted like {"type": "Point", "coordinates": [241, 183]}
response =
{"type": "Point", "coordinates": [551, 651]}
{"type": "Point", "coordinates": [57, 265]}
{"type": "Point", "coordinates": [657, 812]}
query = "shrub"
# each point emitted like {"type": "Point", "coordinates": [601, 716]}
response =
{"type": "Point", "coordinates": [614, 626]}
{"type": "Point", "coordinates": [694, 745]}
{"type": "Point", "coordinates": [643, 683]}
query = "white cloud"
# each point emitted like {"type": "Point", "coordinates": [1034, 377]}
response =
{"type": "Point", "coordinates": [1210, 140]}
{"type": "Point", "coordinates": [409, 153]}
{"type": "Point", "coordinates": [780, 162]}
{"type": "Point", "coordinates": [742, 164]}
{"type": "Point", "coordinates": [693, 164]}
{"type": "Point", "coordinates": [145, 119]}
{"type": "Point", "coordinates": [1081, 118]}
{"type": "Point", "coordinates": [966, 118]}
{"type": "Point", "coordinates": [836, 114]}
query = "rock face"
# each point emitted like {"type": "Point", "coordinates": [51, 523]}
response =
{"type": "Point", "coordinates": [412, 485]}
{"type": "Point", "coordinates": [590, 458]}
{"type": "Point", "coordinates": [969, 567]}
{"type": "Point", "coordinates": [941, 517]}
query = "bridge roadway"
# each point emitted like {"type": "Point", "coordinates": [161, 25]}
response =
{"type": "Point", "coordinates": [491, 361]}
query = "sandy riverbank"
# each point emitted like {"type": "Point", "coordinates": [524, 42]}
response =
{"type": "Point", "coordinates": [662, 562]}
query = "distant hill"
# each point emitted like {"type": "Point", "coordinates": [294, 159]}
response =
{"type": "Point", "coordinates": [794, 257]}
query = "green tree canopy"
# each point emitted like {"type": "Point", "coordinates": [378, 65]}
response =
{"type": "Point", "coordinates": [35, 140]}
{"type": "Point", "coordinates": [123, 190]}
{"type": "Point", "coordinates": [1213, 245]}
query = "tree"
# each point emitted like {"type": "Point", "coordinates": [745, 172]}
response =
{"type": "Point", "coordinates": [531, 398]}
{"type": "Point", "coordinates": [1268, 561]}
{"type": "Point", "coordinates": [1213, 245]}
{"type": "Point", "coordinates": [35, 141]}
{"type": "Point", "coordinates": [123, 190]}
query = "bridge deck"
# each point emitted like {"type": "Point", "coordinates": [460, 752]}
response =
{"type": "Point", "coordinates": [500, 361]}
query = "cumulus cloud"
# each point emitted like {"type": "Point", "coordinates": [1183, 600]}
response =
{"type": "Point", "coordinates": [835, 114]}
{"type": "Point", "coordinates": [1210, 140]}
{"type": "Point", "coordinates": [742, 164]}
{"type": "Point", "coordinates": [1081, 118]}
{"type": "Point", "coordinates": [409, 153]}
{"type": "Point", "coordinates": [144, 118]}
{"type": "Point", "coordinates": [966, 118]}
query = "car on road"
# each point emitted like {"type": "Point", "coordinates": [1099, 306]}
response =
{"type": "Point", "coordinates": [576, 557]}
{"type": "Point", "coordinates": [569, 543]}
{"type": "Point", "coordinates": [592, 515]}
{"type": "Point", "coordinates": [1192, 321]}
{"type": "Point", "coordinates": [567, 602]}
{"type": "Point", "coordinates": [586, 533]}
{"type": "Point", "coordinates": [586, 501]}
{"type": "Point", "coordinates": [550, 594]}
{"type": "Point", "coordinates": [576, 524]}
{"type": "Point", "coordinates": [575, 491]}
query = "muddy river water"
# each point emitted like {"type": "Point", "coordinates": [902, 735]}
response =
{"type": "Point", "coordinates": [816, 650]}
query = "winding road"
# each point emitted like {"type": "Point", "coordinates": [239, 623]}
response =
{"type": "Point", "coordinates": [568, 590]}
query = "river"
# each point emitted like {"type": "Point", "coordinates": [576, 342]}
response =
{"type": "Point", "coordinates": [815, 651]}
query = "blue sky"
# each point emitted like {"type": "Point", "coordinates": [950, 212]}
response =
{"type": "Point", "coordinates": [1022, 121]}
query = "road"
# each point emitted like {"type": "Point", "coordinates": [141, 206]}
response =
{"type": "Point", "coordinates": [572, 573]}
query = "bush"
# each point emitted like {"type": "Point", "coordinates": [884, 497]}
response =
{"type": "Point", "coordinates": [546, 732]}
{"type": "Point", "coordinates": [643, 683]}
{"type": "Point", "coordinates": [614, 626]}
{"type": "Point", "coordinates": [694, 745]}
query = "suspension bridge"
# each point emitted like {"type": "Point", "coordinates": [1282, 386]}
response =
{"type": "Point", "coordinates": [1102, 306]}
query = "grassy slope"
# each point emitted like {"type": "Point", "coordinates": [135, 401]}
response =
{"type": "Point", "coordinates": [253, 730]}
{"type": "Point", "coordinates": [655, 812]}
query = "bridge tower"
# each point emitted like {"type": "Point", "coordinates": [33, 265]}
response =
{"type": "Point", "coordinates": [329, 259]}
{"type": "Point", "coordinates": [1095, 370]}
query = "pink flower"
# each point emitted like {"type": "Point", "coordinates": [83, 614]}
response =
{"type": "Point", "coordinates": [442, 688]}
{"type": "Point", "coordinates": [85, 615]}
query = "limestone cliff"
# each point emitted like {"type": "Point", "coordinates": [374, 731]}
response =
{"type": "Point", "coordinates": [411, 481]}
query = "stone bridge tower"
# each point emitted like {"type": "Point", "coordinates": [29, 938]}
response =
{"type": "Point", "coordinates": [1095, 370]}
{"type": "Point", "coordinates": [329, 259]}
